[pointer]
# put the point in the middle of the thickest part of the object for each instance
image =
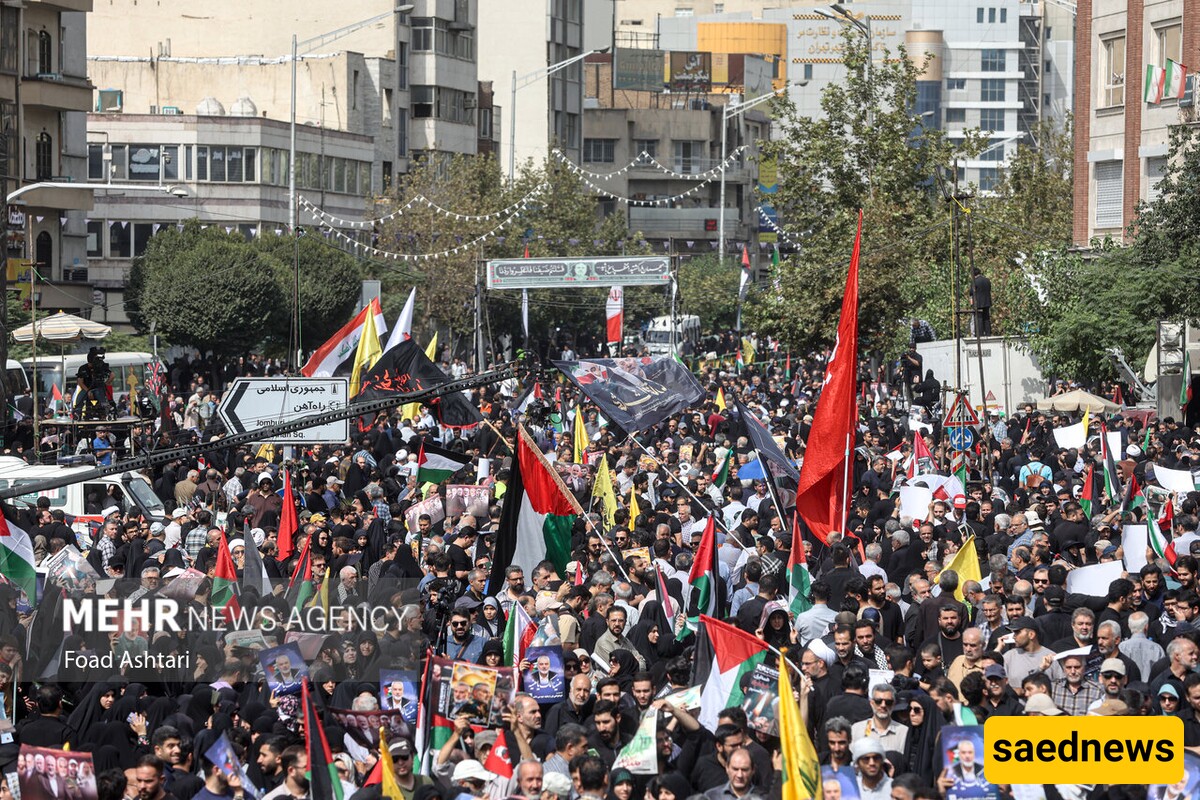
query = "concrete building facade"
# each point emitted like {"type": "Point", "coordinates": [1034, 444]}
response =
{"type": "Point", "coordinates": [1121, 140]}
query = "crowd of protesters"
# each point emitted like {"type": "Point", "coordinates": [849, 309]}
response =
{"type": "Point", "coordinates": [880, 600]}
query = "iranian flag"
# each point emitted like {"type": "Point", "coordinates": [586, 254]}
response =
{"type": "Point", "coordinates": [225, 582]}
{"type": "Point", "coordinates": [16, 555]}
{"type": "Point", "coordinates": [435, 465]}
{"type": "Point", "coordinates": [798, 576]}
{"type": "Point", "coordinates": [1174, 80]}
{"type": "Point", "coordinates": [723, 655]}
{"type": "Point", "coordinates": [538, 514]}
{"type": "Point", "coordinates": [708, 590]}
{"type": "Point", "coordinates": [518, 633]}
{"type": "Point", "coordinates": [1152, 90]}
{"type": "Point", "coordinates": [721, 476]}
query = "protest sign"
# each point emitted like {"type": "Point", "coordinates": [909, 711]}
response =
{"type": "Point", "coordinates": [431, 505]}
{"type": "Point", "coordinates": [48, 774]}
{"type": "Point", "coordinates": [465, 498]}
{"type": "Point", "coordinates": [398, 691]}
{"type": "Point", "coordinates": [962, 757]}
{"type": "Point", "coordinates": [482, 693]}
{"type": "Point", "coordinates": [640, 756]}
{"type": "Point", "coordinates": [70, 570]}
{"type": "Point", "coordinates": [367, 723]}
{"type": "Point", "coordinates": [284, 668]}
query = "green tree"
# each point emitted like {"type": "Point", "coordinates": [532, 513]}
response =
{"type": "Point", "coordinates": [207, 289]}
{"type": "Point", "coordinates": [705, 289]}
{"type": "Point", "coordinates": [330, 284]}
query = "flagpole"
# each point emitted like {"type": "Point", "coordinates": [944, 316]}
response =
{"type": "Point", "coordinates": [680, 484]}
{"type": "Point", "coordinates": [846, 486]}
{"type": "Point", "coordinates": [770, 481]}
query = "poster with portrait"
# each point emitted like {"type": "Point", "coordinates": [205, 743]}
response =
{"type": "Point", "coordinates": [223, 756]}
{"type": "Point", "coordinates": [46, 774]}
{"type": "Point", "coordinates": [543, 680]}
{"type": "Point", "coordinates": [399, 690]}
{"type": "Point", "coordinates": [284, 668]}
{"type": "Point", "coordinates": [1187, 787]}
{"type": "Point", "coordinates": [433, 506]}
{"type": "Point", "coordinates": [70, 570]}
{"type": "Point", "coordinates": [962, 757]}
{"type": "Point", "coordinates": [482, 693]}
{"type": "Point", "coordinates": [760, 700]}
{"type": "Point", "coordinates": [468, 499]}
{"type": "Point", "coordinates": [366, 724]}
{"type": "Point", "coordinates": [838, 784]}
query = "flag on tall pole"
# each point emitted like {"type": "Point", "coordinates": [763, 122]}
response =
{"type": "Point", "coordinates": [322, 774]}
{"type": "Point", "coordinates": [16, 555]}
{"type": "Point", "coordinates": [822, 497]}
{"type": "Point", "coordinates": [329, 356]}
{"type": "Point", "coordinates": [225, 582]}
{"type": "Point", "coordinates": [724, 655]}
{"type": "Point", "coordinates": [799, 578]}
{"type": "Point", "coordinates": [435, 465]}
{"type": "Point", "coordinates": [431, 349]}
{"type": "Point", "coordinates": [615, 311]}
{"type": "Point", "coordinates": [403, 329]}
{"type": "Point", "coordinates": [801, 772]}
{"type": "Point", "coordinates": [288, 522]}
{"type": "Point", "coordinates": [1085, 496]}
{"type": "Point", "coordinates": [366, 354]}
{"type": "Point", "coordinates": [300, 588]}
{"type": "Point", "coordinates": [708, 590]}
{"type": "Point", "coordinates": [580, 437]}
{"type": "Point", "coordinates": [518, 633]}
{"type": "Point", "coordinates": [603, 491]}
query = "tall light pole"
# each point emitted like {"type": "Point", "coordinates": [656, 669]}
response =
{"type": "Point", "coordinates": [727, 113]}
{"type": "Point", "coordinates": [174, 190]}
{"type": "Point", "coordinates": [521, 83]}
{"type": "Point", "coordinates": [843, 15]}
{"type": "Point", "coordinates": [297, 48]}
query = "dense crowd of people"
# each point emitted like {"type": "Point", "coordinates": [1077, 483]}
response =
{"type": "Point", "coordinates": [891, 651]}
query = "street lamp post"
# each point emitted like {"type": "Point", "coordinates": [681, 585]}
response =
{"type": "Point", "coordinates": [521, 83]}
{"type": "Point", "coordinates": [727, 113]}
{"type": "Point", "coordinates": [175, 190]}
{"type": "Point", "coordinates": [843, 15]}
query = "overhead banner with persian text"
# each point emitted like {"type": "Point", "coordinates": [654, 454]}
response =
{"type": "Point", "coordinates": [556, 273]}
{"type": "Point", "coordinates": [635, 393]}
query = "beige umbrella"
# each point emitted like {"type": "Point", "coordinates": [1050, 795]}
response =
{"type": "Point", "coordinates": [62, 327]}
{"type": "Point", "coordinates": [1077, 400]}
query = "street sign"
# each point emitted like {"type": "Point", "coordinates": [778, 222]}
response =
{"type": "Point", "coordinates": [251, 403]}
{"type": "Point", "coordinates": [961, 438]}
{"type": "Point", "coordinates": [563, 273]}
{"type": "Point", "coordinates": [960, 414]}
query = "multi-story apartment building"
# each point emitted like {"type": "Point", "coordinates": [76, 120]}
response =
{"type": "Point", "coordinates": [1120, 139]}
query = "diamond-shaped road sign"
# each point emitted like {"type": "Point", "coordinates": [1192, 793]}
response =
{"type": "Point", "coordinates": [251, 403]}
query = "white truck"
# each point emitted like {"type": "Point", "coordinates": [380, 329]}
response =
{"type": "Point", "coordinates": [684, 331]}
{"type": "Point", "coordinates": [1011, 375]}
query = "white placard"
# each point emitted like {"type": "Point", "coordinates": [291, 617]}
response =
{"type": "Point", "coordinates": [1134, 539]}
{"type": "Point", "coordinates": [1094, 580]}
{"type": "Point", "coordinates": [914, 501]}
{"type": "Point", "coordinates": [1174, 480]}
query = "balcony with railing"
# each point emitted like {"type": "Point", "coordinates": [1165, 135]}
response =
{"type": "Point", "coordinates": [701, 223]}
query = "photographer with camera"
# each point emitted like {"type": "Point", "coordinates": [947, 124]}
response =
{"type": "Point", "coordinates": [94, 380]}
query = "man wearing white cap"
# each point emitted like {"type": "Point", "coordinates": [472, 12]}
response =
{"type": "Point", "coordinates": [1113, 677]}
{"type": "Point", "coordinates": [873, 781]}
{"type": "Point", "coordinates": [471, 779]}
{"type": "Point", "coordinates": [173, 533]}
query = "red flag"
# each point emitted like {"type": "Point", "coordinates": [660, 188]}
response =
{"type": "Point", "coordinates": [745, 257]}
{"type": "Point", "coordinates": [288, 524]}
{"type": "Point", "coordinates": [527, 250]}
{"type": "Point", "coordinates": [1118, 398]}
{"type": "Point", "coordinates": [920, 450]}
{"type": "Point", "coordinates": [578, 573]}
{"type": "Point", "coordinates": [499, 761]}
{"type": "Point", "coordinates": [823, 495]}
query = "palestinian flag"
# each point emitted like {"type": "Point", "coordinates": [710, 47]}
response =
{"type": "Point", "coordinates": [225, 582]}
{"type": "Point", "coordinates": [322, 775]}
{"type": "Point", "coordinates": [433, 729]}
{"type": "Point", "coordinates": [787, 366]}
{"type": "Point", "coordinates": [798, 576]}
{"type": "Point", "coordinates": [723, 655]}
{"type": "Point", "coordinates": [1133, 496]}
{"type": "Point", "coordinates": [1112, 478]}
{"type": "Point", "coordinates": [1159, 542]}
{"type": "Point", "coordinates": [708, 590]}
{"type": "Point", "coordinates": [518, 633]}
{"type": "Point", "coordinates": [435, 465]}
{"type": "Point", "coordinates": [16, 555]}
{"type": "Point", "coordinates": [667, 611]}
{"type": "Point", "coordinates": [539, 512]}
{"type": "Point", "coordinates": [300, 587]}
{"type": "Point", "coordinates": [1085, 497]}
{"type": "Point", "coordinates": [721, 476]}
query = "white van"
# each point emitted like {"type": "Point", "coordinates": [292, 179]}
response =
{"type": "Point", "coordinates": [15, 379]}
{"type": "Point", "coordinates": [126, 368]}
{"type": "Point", "coordinates": [686, 335]}
{"type": "Point", "coordinates": [128, 491]}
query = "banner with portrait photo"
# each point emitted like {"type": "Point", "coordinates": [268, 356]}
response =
{"type": "Point", "coordinates": [482, 693]}
{"type": "Point", "coordinates": [399, 690]}
{"type": "Point", "coordinates": [761, 701]}
{"type": "Point", "coordinates": [962, 758]}
{"type": "Point", "coordinates": [467, 499]}
{"type": "Point", "coordinates": [431, 505]}
{"type": "Point", "coordinates": [544, 680]}
{"type": "Point", "coordinates": [47, 774]}
{"type": "Point", "coordinates": [70, 570]}
{"type": "Point", "coordinates": [839, 784]}
{"type": "Point", "coordinates": [366, 724]}
{"type": "Point", "coordinates": [284, 668]}
{"type": "Point", "coordinates": [1187, 787]}
{"type": "Point", "coordinates": [635, 393]}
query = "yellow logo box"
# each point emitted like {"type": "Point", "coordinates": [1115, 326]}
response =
{"type": "Point", "coordinates": [1090, 750]}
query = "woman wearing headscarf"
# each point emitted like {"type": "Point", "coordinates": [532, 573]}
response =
{"type": "Point", "coordinates": [493, 653]}
{"type": "Point", "coordinates": [219, 723]}
{"type": "Point", "coordinates": [622, 665]}
{"type": "Point", "coordinates": [925, 723]}
{"type": "Point", "coordinates": [368, 655]}
{"type": "Point", "coordinates": [648, 636]}
{"type": "Point", "coordinates": [91, 710]}
{"type": "Point", "coordinates": [775, 629]}
{"type": "Point", "coordinates": [491, 618]}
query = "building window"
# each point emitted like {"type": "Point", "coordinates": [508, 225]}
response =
{"type": "Point", "coordinates": [353, 90]}
{"type": "Point", "coordinates": [95, 238]}
{"type": "Point", "coordinates": [718, 8]}
{"type": "Point", "coordinates": [1112, 79]}
{"type": "Point", "coordinates": [422, 102]}
{"type": "Point", "coordinates": [9, 157]}
{"type": "Point", "coordinates": [994, 152]}
{"type": "Point", "coordinates": [991, 119]}
{"type": "Point", "coordinates": [991, 90]}
{"type": "Point", "coordinates": [1003, 15]}
{"type": "Point", "coordinates": [684, 12]}
{"type": "Point", "coordinates": [808, 72]}
{"type": "Point", "coordinates": [988, 177]}
{"type": "Point", "coordinates": [44, 157]}
{"type": "Point", "coordinates": [992, 60]}
{"type": "Point", "coordinates": [571, 130]}
{"type": "Point", "coordinates": [402, 132]}
{"type": "Point", "coordinates": [1109, 198]}
{"type": "Point", "coordinates": [144, 163]}
{"type": "Point", "coordinates": [402, 66]}
{"type": "Point", "coordinates": [956, 115]}
{"type": "Point", "coordinates": [422, 34]}
{"type": "Point", "coordinates": [979, 15]}
{"type": "Point", "coordinates": [95, 162]}
{"type": "Point", "coordinates": [120, 240]}
{"type": "Point", "coordinates": [485, 123]}
{"type": "Point", "coordinates": [956, 84]}
{"type": "Point", "coordinates": [387, 108]}
{"type": "Point", "coordinates": [647, 146]}
{"type": "Point", "coordinates": [1170, 44]}
{"type": "Point", "coordinates": [10, 40]}
{"type": "Point", "coordinates": [689, 157]}
{"type": "Point", "coordinates": [45, 60]}
{"type": "Point", "coordinates": [170, 162]}
{"type": "Point", "coordinates": [599, 151]}
{"type": "Point", "coordinates": [1156, 168]}
{"type": "Point", "coordinates": [991, 15]}
{"type": "Point", "coordinates": [142, 231]}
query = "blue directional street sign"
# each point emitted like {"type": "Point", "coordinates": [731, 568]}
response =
{"type": "Point", "coordinates": [961, 438]}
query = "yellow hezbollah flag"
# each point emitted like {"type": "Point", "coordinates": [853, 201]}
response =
{"type": "Point", "coordinates": [966, 565]}
{"type": "Point", "coordinates": [431, 350]}
{"type": "Point", "coordinates": [801, 769]}
{"type": "Point", "coordinates": [388, 788]}
{"type": "Point", "coordinates": [720, 398]}
{"type": "Point", "coordinates": [633, 507]}
{"type": "Point", "coordinates": [366, 355]}
{"type": "Point", "coordinates": [748, 351]}
{"type": "Point", "coordinates": [581, 437]}
{"type": "Point", "coordinates": [602, 490]}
